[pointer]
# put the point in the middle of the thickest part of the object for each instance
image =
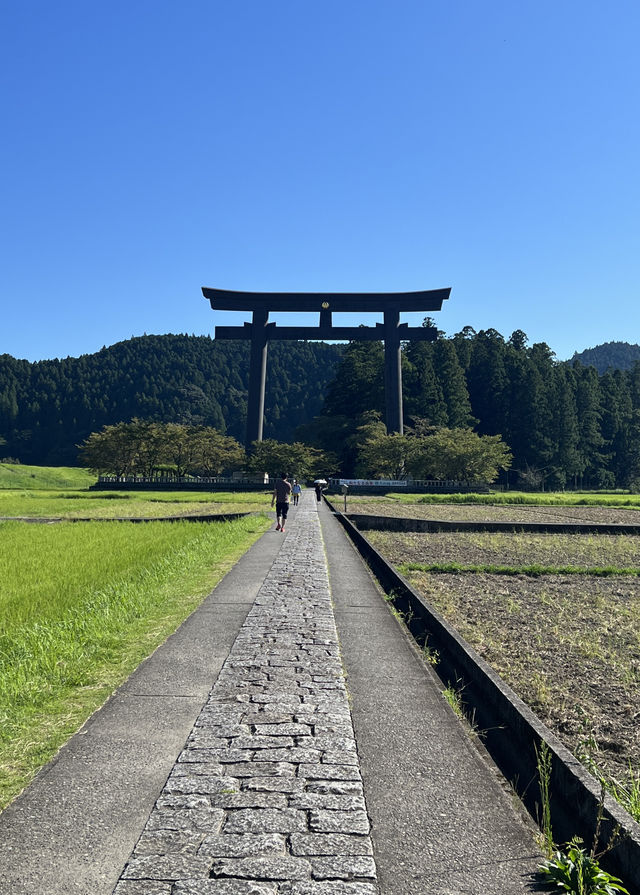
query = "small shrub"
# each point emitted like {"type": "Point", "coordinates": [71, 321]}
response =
{"type": "Point", "coordinates": [577, 872]}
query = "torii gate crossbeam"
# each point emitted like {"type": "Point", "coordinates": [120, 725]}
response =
{"type": "Point", "coordinates": [260, 332]}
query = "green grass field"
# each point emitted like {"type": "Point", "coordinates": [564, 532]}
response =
{"type": "Point", "coordinates": [14, 475]}
{"type": "Point", "coordinates": [81, 605]}
{"type": "Point", "coordinates": [52, 492]}
{"type": "Point", "coordinates": [62, 492]}
{"type": "Point", "coordinates": [128, 504]}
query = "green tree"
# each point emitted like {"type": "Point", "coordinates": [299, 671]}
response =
{"type": "Point", "coordinates": [591, 445]}
{"type": "Point", "coordinates": [378, 455]}
{"type": "Point", "coordinates": [214, 453]}
{"type": "Point", "coordinates": [616, 410]}
{"type": "Point", "coordinates": [518, 340]}
{"type": "Point", "coordinates": [335, 436]}
{"type": "Point", "coordinates": [177, 446]}
{"type": "Point", "coordinates": [423, 394]}
{"type": "Point", "coordinates": [487, 382]}
{"type": "Point", "coordinates": [112, 451]}
{"type": "Point", "coordinates": [299, 460]}
{"type": "Point", "coordinates": [453, 384]}
{"type": "Point", "coordinates": [149, 445]}
{"type": "Point", "coordinates": [140, 447]}
{"type": "Point", "coordinates": [358, 385]}
{"type": "Point", "coordinates": [528, 411]}
{"type": "Point", "coordinates": [459, 455]}
{"type": "Point", "coordinates": [566, 461]}
{"type": "Point", "coordinates": [385, 458]}
{"type": "Point", "coordinates": [463, 343]}
{"type": "Point", "coordinates": [49, 407]}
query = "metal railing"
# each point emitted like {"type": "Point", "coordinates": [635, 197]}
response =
{"type": "Point", "coordinates": [174, 479]}
{"type": "Point", "coordinates": [429, 485]}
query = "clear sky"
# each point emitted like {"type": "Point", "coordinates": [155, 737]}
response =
{"type": "Point", "coordinates": [152, 147]}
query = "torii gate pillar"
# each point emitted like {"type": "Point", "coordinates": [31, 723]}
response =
{"type": "Point", "coordinates": [393, 372]}
{"type": "Point", "coordinates": [257, 377]}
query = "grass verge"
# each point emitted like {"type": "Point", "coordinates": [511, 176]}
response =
{"type": "Point", "coordinates": [522, 498]}
{"type": "Point", "coordinates": [533, 571]}
{"type": "Point", "coordinates": [506, 498]}
{"type": "Point", "coordinates": [81, 607]}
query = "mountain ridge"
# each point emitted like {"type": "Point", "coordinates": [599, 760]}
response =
{"type": "Point", "coordinates": [609, 355]}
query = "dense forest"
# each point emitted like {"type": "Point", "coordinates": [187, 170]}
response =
{"type": "Point", "coordinates": [566, 424]}
{"type": "Point", "coordinates": [49, 407]}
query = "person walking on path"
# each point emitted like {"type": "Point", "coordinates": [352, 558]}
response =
{"type": "Point", "coordinates": [281, 496]}
{"type": "Point", "coordinates": [296, 491]}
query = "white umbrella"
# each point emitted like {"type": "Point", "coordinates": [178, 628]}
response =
{"type": "Point", "coordinates": [320, 482]}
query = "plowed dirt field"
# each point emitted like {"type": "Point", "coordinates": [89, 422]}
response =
{"type": "Point", "coordinates": [569, 645]}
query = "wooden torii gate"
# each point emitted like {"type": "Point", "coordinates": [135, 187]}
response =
{"type": "Point", "coordinates": [260, 332]}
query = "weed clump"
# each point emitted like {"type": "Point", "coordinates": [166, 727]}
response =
{"type": "Point", "coordinates": [571, 868]}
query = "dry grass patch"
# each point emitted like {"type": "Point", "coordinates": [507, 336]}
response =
{"type": "Point", "coordinates": [460, 512]}
{"type": "Point", "coordinates": [518, 549]}
{"type": "Point", "coordinates": [569, 647]}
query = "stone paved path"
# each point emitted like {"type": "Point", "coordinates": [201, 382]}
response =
{"type": "Point", "coordinates": [266, 798]}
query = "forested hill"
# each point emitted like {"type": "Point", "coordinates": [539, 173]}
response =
{"type": "Point", "coordinates": [610, 355]}
{"type": "Point", "coordinates": [49, 407]}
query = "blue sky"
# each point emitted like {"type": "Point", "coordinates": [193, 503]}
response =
{"type": "Point", "coordinates": [152, 147]}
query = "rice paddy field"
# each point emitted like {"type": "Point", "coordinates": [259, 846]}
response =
{"type": "Point", "coordinates": [52, 504]}
{"type": "Point", "coordinates": [40, 492]}
{"type": "Point", "coordinates": [556, 615]}
{"type": "Point", "coordinates": [83, 603]}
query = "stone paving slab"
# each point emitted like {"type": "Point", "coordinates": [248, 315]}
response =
{"type": "Point", "coordinates": [266, 796]}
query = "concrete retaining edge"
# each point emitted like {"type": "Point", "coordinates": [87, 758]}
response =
{"type": "Point", "coordinates": [399, 523]}
{"type": "Point", "coordinates": [511, 731]}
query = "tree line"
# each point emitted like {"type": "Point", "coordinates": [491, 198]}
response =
{"type": "Point", "coordinates": [154, 450]}
{"type": "Point", "coordinates": [563, 423]}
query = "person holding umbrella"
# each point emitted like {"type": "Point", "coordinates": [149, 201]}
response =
{"type": "Point", "coordinates": [318, 485]}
